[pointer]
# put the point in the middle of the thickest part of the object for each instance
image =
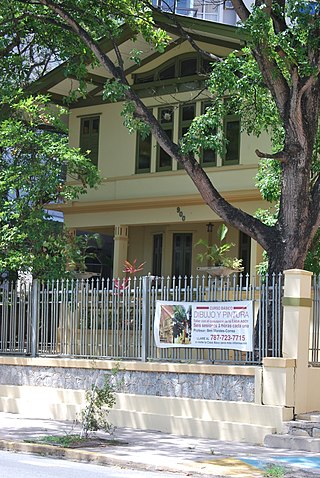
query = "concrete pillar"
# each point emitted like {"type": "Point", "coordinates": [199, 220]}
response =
{"type": "Point", "coordinates": [120, 251]}
{"type": "Point", "coordinates": [285, 380]}
{"type": "Point", "coordinates": [297, 304]}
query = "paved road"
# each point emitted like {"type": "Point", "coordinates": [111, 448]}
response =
{"type": "Point", "coordinates": [16, 465]}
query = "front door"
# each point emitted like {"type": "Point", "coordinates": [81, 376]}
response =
{"type": "Point", "coordinates": [182, 254]}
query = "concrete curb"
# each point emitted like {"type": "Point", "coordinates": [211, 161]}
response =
{"type": "Point", "coordinates": [86, 456]}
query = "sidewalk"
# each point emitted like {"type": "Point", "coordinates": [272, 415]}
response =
{"type": "Point", "coordinates": [151, 450]}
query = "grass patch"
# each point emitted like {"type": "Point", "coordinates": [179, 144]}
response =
{"type": "Point", "coordinates": [274, 471]}
{"type": "Point", "coordinates": [75, 441]}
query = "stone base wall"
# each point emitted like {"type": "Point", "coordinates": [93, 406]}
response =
{"type": "Point", "coordinates": [166, 384]}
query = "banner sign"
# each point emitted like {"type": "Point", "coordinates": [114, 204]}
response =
{"type": "Point", "coordinates": [220, 325]}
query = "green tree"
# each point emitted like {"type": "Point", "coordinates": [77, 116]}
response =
{"type": "Point", "coordinates": [274, 85]}
{"type": "Point", "coordinates": [34, 157]}
{"type": "Point", "coordinates": [33, 162]}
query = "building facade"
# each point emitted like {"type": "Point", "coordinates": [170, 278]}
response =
{"type": "Point", "coordinates": [147, 208]}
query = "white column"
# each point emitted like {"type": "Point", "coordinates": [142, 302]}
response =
{"type": "Point", "coordinates": [285, 380]}
{"type": "Point", "coordinates": [120, 252]}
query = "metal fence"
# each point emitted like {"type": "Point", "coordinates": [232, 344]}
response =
{"type": "Point", "coordinates": [314, 340]}
{"type": "Point", "coordinates": [114, 318]}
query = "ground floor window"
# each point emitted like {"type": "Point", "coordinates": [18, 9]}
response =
{"type": "Point", "coordinates": [182, 254]}
{"type": "Point", "coordinates": [245, 251]}
{"type": "Point", "coordinates": [157, 255]}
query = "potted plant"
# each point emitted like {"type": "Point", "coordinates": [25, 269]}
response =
{"type": "Point", "coordinates": [215, 255]}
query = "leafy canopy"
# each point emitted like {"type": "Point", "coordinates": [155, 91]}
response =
{"type": "Point", "coordinates": [33, 162]}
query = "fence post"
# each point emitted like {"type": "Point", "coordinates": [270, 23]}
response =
{"type": "Point", "coordinates": [145, 317]}
{"type": "Point", "coordinates": [34, 318]}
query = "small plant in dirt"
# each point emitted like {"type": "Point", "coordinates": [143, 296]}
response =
{"type": "Point", "coordinates": [274, 471]}
{"type": "Point", "coordinates": [99, 401]}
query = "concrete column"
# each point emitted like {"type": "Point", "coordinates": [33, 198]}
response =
{"type": "Point", "coordinates": [297, 304]}
{"type": "Point", "coordinates": [120, 252]}
{"type": "Point", "coordinates": [285, 380]}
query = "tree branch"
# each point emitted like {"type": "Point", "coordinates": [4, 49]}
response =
{"type": "Point", "coordinates": [241, 9]}
{"type": "Point", "coordinates": [278, 156]}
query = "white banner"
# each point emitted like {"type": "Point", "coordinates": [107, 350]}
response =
{"type": "Point", "coordinates": [220, 325]}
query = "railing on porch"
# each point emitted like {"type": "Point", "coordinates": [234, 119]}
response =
{"type": "Point", "coordinates": [114, 318]}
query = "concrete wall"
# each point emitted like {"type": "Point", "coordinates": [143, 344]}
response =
{"type": "Point", "coordinates": [239, 386]}
{"type": "Point", "coordinates": [222, 402]}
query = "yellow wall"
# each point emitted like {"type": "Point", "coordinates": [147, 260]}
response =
{"type": "Point", "coordinates": [117, 153]}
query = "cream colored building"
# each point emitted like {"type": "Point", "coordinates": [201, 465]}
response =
{"type": "Point", "coordinates": [147, 207]}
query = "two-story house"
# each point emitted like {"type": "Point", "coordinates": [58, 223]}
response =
{"type": "Point", "coordinates": [147, 208]}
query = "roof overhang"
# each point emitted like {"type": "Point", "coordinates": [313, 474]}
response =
{"type": "Point", "coordinates": [215, 35]}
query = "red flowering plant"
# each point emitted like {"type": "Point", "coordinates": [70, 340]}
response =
{"type": "Point", "coordinates": [129, 268]}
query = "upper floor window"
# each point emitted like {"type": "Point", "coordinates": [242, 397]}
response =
{"type": "Point", "coordinates": [166, 118]}
{"type": "Point", "coordinates": [180, 67]}
{"type": "Point", "coordinates": [89, 137]}
{"type": "Point", "coordinates": [182, 7]}
{"type": "Point", "coordinates": [176, 121]}
{"type": "Point", "coordinates": [208, 157]}
{"type": "Point", "coordinates": [231, 155]}
{"type": "Point", "coordinates": [232, 135]}
{"type": "Point", "coordinates": [143, 163]}
{"type": "Point", "coordinates": [187, 114]}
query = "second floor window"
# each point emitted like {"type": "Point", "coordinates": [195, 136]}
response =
{"type": "Point", "coordinates": [176, 121]}
{"type": "Point", "coordinates": [143, 164]}
{"type": "Point", "coordinates": [89, 137]}
{"type": "Point", "coordinates": [232, 135]}
{"type": "Point", "coordinates": [166, 118]}
{"type": "Point", "coordinates": [208, 157]}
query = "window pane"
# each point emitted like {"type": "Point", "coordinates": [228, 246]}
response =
{"type": "Point", "coordinates": [144, 153]}
{"type": "Point", "coordinates": [188, 67]}
{"type": "Point", "coordinates": [85, 126]}
{"type": "Point", "coordinates": [157, 255]}
{"type": "Point", "coordinates": [188, 112]}
{"type": "Point", "coordinates": [144, 79]}
{"type": "Point", "coordinates": [209, 157]}
{"type": "Point", "coordinates": [166, 115]}
{"type": "Point", "coordinates": [89, 137]}
{"type": "Point", "coordinates": [95, 126]}
{"type": "Point", "coordinates": [166, 119]}
{"type": "Point", "coordinates": [165, 161]}
{"type": "Point", "coordinates": [182, 254]}
{"type": "Point", "coordinates": [245, 251]}
{"type": "Point", "coordinates": [232, 136]}
{"type": "Point", "coordinates": [167, 73]}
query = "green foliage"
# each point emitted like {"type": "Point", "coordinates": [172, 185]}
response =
{"type": "Point", "coordinates": [99, 401]}
{"type": "Point", "coordinates": [268, 180]}
{"type": "Point", "coordinates": [280, 61]}
{"type": "Point", "coordinates": [215, 254]}
{"type": "Point", "coordinates": [132, 122]}
{"type": "Point", "coordinates": [274, 471]}
{"type": "Point", "coordinates": [34, 158]}
{"type": "Point", "coordinates": [312, 262]}
{"type": "Point", "coordinates": [65, 441]}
